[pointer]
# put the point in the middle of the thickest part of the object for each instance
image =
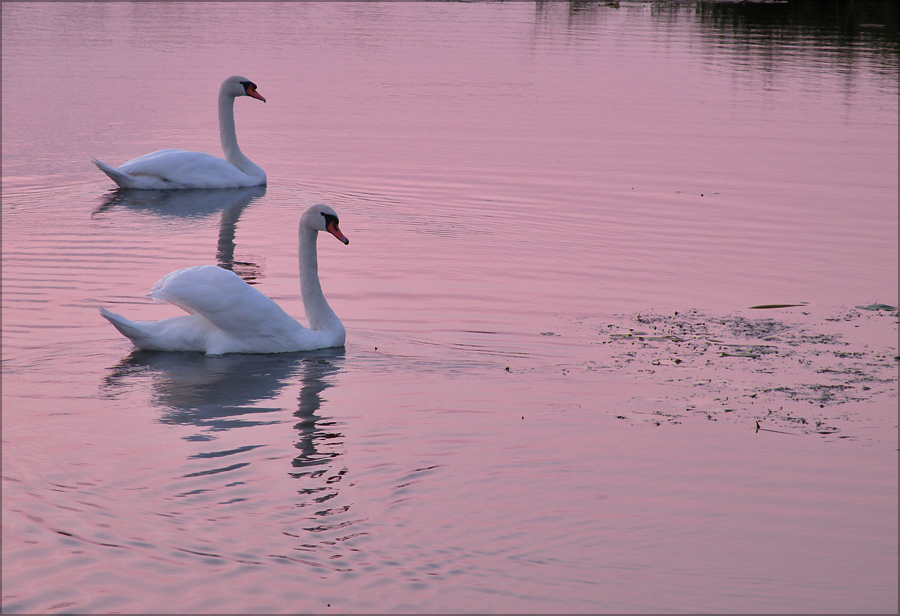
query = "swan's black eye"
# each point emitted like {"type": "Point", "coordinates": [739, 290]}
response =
{"type": "Point", "coordinates": [330, 218]}
{"type": "Point", "coordinates": [248, 85]}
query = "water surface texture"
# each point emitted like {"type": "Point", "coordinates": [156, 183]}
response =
{"type": "Point", "coordinates": [620, 299]}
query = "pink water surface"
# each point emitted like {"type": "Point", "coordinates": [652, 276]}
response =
{"type": "Point", "coordinates": [560, 217]}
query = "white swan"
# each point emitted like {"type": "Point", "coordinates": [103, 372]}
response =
{"type": "Point", "coordinates": [166, 169]}
{"type": "Point", "coordinates": [229, 316]}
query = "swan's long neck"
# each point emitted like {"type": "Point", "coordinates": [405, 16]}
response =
{"type": "Point", "coordinates": [319, 314]}
{"type": "Point", "coordinates": [228, 137]}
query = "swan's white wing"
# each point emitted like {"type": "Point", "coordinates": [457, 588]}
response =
{"type": "Point", "coordinates": [190, 332]}
{"type": "Point", "coordinates": [226, 301]}
{"type": "Point", "coordinates": [180, 168]}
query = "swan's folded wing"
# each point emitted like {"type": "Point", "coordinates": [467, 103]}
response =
{"type": "Point", "coordinates": [225, 300]}
{"type": "Point", "coordinates": [188, 169]}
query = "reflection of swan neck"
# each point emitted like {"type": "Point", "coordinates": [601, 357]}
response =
{"type": "Point", "coordinates": [318, 313]}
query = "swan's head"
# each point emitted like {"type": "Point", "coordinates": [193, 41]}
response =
{"type": "Point", "coordinates": [323, 218]}
{"type": "Point", "coordinates": [240, 86]}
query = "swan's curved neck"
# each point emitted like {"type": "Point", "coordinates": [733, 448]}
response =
{"type": "Point", "coordinates": [228, 137]}
{"type": "Point", "coordinates": [319, 314]}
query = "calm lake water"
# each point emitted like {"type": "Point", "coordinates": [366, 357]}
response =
{"type": "Point", "coordinates": [556, 393]}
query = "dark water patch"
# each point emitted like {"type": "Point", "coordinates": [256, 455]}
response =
{"type": "Point", "coordinates": [836, 25]}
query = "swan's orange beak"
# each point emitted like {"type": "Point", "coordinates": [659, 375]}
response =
{"type": "Point", "coordinates": [334, 230]}
{"type": "Point", "coordinates": [251, 91]}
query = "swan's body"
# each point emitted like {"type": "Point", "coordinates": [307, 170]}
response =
{"type": "Point", "coordinates": [229, 316]}
{"type": "Point", "coordinates": [167, 169]}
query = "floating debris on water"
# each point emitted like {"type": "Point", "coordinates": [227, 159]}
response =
{"type": "Point", "coordinates": [877, 307]}
{"type": "Point", "coordinates": [807, 375]}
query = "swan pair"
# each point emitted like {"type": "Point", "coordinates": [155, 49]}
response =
{"type": "Point", "coordinates": [226, 315]}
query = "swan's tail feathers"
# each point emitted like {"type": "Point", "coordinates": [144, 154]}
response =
{"type": "Point", "coordinates": [122, 179]}
{"type": "Point", "coordinates": [129, 329]}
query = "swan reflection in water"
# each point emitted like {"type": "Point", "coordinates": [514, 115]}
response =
{"type": "Point", "coordinates": [229, 392]}
{"type": "Point", "coordinates": [217, 393]}
{"type": "Point", "coordinates": [196, 203]}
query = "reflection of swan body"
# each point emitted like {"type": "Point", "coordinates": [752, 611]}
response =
{"type": "Point", "coordinates": [229, 316]}
{"type": "Point", "coordinates": [181, 204]}
{"type": "Point", "coordinates": [216, 391]}
{"type": "Point", "coordinates": [181, 169]}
